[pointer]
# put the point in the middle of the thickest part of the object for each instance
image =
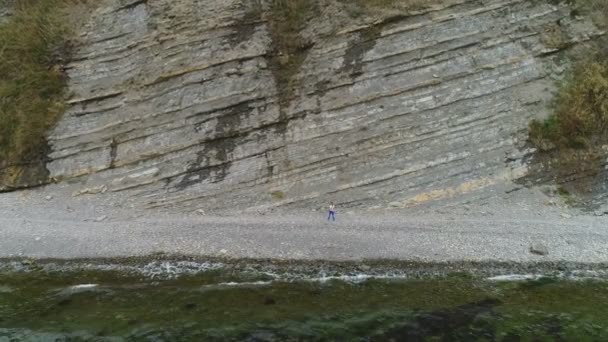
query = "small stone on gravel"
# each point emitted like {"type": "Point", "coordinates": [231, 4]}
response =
{"type": "Point", "coordinates": [101, 218]}
{"type": "Point", "coordinates": [539, 249]}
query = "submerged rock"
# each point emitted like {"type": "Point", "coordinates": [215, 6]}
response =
{"type": "Point", "coordinates": [269, 301]}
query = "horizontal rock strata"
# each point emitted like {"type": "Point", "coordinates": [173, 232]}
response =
{"type": "Point", "coordinates": [177, 103]}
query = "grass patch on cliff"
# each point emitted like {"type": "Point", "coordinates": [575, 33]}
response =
{"type": "Point", "coordinates": [569, 142]}
{"type": "Point", "coordinates": [580, 117]}
{"type": "Point", "coordinates": [33, 46]}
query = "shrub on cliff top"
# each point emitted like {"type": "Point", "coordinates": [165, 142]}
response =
{"type": "Point", "coordinates": [580, 118]}
{"type": "Point", "coordinates": [32, 45]}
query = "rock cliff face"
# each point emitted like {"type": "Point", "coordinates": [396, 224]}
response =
{"type": "Point", "coordinates": [193, 104]}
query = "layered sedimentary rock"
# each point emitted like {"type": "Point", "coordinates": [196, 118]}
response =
{"type": "Point", "coordinates": [184, 104]}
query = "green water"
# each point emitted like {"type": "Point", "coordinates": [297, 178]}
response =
{"type": "Point", "coordinates": [41, 305]}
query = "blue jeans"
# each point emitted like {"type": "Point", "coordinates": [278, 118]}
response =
{"type": "Point", "coordinates": [332, 214]}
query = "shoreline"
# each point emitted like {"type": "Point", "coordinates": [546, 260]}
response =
{"type": "Point", "coordinates": [161, 266]}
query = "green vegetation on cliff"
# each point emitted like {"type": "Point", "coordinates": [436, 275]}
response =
{"type": "Point", "coordinates": [580, 118]}
{"type": "Point", "coordinates": [33, 46]}
{"type": "Point", "coordinates": [570, 140]}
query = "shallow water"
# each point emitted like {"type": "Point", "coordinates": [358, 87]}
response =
{"type": "Point", "coordinates": [223, 303]}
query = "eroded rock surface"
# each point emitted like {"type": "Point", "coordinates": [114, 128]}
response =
{"type": "Point", "coordinates": [176, 103]}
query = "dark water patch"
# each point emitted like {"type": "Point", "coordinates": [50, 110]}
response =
{"type": "Point", "coordinates": [448, 323]}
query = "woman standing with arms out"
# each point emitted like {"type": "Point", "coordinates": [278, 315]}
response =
{"type": "Point", "coordinates": [332, 211]}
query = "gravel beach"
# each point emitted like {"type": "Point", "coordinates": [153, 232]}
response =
{"type": "Point", "coordinates": [45, 223]}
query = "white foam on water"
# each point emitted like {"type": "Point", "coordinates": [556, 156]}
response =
{"type": "Point", "coordinates": [251, 283]}
{"type": "Point", "coordinates": [571, 276]}
{"type": "Point", "coordinates": [289, 278]}
{"type": "Point", "coordinates": [70, 290]}
{"type": "Point", "coordinates": [236, 284]}
{"type": "Point", "coordinates": [171, 269]}
{"type": "Point", "coordinates": [166, 269]}
{"type": "Point", "coordinates": [514, 277]}
{"type": "Point", "coordinates": [5, 289]}
{"type": "Point", "coordinates": [357, 278]}
{"type": "Point", "coordinates": [83, 286]}
{"type": "Point", "coordinates": [154, 269]}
